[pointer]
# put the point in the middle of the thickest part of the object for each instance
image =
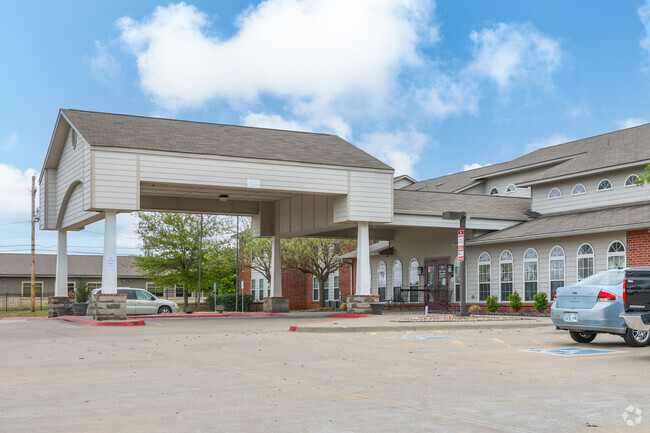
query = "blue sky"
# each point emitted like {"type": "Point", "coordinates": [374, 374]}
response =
{"type": "Point", "coordinates": [428, 87]}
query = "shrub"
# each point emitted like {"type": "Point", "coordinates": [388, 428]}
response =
{"type": "Point", "coordinates": [82, 291]}
{"type": "Point", "coordinates": [492, 304]}
{"type": "Point", "coordinates": [228, 301]}
{"type": "Point", "coordinates": [515, 301]}
{"type": "Point", "coordinates": [474, 309]}
{"type": "Point", "coordinates": [541, 302]}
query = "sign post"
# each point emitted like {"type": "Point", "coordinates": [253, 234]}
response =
{"type": "Point", "coordinates": [462, 216]}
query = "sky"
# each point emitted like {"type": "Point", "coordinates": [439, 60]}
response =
{"type": "Point", "coordinates": [429, 87]}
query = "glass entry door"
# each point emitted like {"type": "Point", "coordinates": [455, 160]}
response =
{"type": "Point", "coordinates": [437, 284]}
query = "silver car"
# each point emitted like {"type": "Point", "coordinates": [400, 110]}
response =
{"type": "Point", "coordinates": [594, 305]}
{"type": "Point", "coordinates": [140, 302]}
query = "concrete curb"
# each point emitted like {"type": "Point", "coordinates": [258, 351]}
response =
{"type": "Point", "coordinates": [205, 315]}
{"type": "Point", "coordinates": [437, 326]}
{"type": "Point", "coordinates": [91, 322]}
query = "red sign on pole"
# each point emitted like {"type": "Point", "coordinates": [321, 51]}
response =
{"type": "Point", "coordinates": [461, 245]}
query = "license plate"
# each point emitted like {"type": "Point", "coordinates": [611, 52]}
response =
{"type": "Point", "coordinates": [570, 317]}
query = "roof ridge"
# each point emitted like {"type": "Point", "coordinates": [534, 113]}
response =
{"type": "Point", "coordinates": [462, 194]}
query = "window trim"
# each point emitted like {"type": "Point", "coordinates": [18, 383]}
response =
{"type": "Point", "coordinates": [511, 262]}
{"type": "Point", "coordinates": [581, 256]}
{"type": "Point", "coordinates": [611, 185]}
{"type": "Point", "coordinates": [551, 191]}
{"type": "Point", "coordinates": [415, 295]}
{"type": "Point", "coordinates": [510, 191]}
{"type": "Point", "coordinates": [636, 177]}
{"type": "Point", "coordinates": [379, 287]}
{"type": "Point", "coordinates": [536, 281]}
{"type": "Point", "coordinates": [401, 279]}
{"type": "Point", "coordinates": [610, 254]}
{"type": "Point", "coordinates": [494, 188]}
{"type": "Point", "coordinates": [555, 258]}
{"type": "Point", "coordinates": [480, 263]}
{"type": "Point", "coordinates": [578, 193]}
{"type": "Point", "coordinates": [29, 286]}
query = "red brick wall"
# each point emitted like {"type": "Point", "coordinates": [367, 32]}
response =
{"type": "Point", "coordinates": [638, 248]}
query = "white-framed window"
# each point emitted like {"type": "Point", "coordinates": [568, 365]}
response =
{"type": "Point", "coordinates": [585, 261]}
{"type": "Point", "coordinates": [253, 291]}
{"type": "Point", "coordinates": [494, 191]}
{"type": "Point", "coordinates": [156, 291]}
{"type": "Point", "coordinates": [337, 291]}
{"type": "Point", "coordinates": [179, 289]}
{"type": "Point", "coordinates": [397, 280]}
{"type": "Point", "coordinates": [506, 264]}
{"type": "Point", "coordinates": [631, 180]}
{"type": "Point", "coordinates": [511, 188]}
{"type": "Point", "coordinates": [92, 285]}
{"type": "Point", "coordinates": [484, 269]}
{"type": "Point", "coordinates": [315, 291]}
{"type": "Point", "coordinates": [530, 274]}
{"type": "Point", "coordinates": [414, 279]}
{"type": "Point", "coordinates": [27, 289]}
{"type": "Point", "coordinates": [556, 264]}
{"type": "Point", "coordinates": [616, 255]}
{"type": "Point", "coordinates": [381, 281]}
{"type": "Point", "coordinates": [554, 193]}
{"type": "Point", "coordinates": [604, 185]}
{"type": "Point", "coordinates": [579, 189]}
{"type": "Point", "coordinates": [261, 289]}
{"type": "Point", "coordinates": [71, 286]}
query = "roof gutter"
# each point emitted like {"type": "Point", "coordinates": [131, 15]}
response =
{"type": "Point", "coordinates": [582, 173]}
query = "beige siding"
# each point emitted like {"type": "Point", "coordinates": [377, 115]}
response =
{"type": "Point", "coordinates": [232, 173]}
{"type": "Point", "coordinates": [502, 182]}
{"type": "Point", "coordinates": [599, 242]}
{"type": "Point", "coordinates": [619, 194]}
{"type": "Point", "coordinates": [87, 179]}
{"type": "Point", "coordinates": [115, 184]}
{"type": "Point", "coordinates": [41, 201]}
{"type": "Point", "coordinates": [408, 220]}
{"type": "Point", "coordinates": [302, 213]}
{"type": "Point", "coordinates": [75, 210]}
{"type": "Point", "coordinates": [370, 198]}
{"type": "Point", "coordinates": [340, 209]}
{"type": "Point", "coordinates": [52, 210]}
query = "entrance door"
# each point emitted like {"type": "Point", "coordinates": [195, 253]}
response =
{"type": "Point", "coordinates": [437, 284]}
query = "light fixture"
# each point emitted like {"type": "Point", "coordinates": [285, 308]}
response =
{"type": "Point", "coordinates": [420, 270]}
{"type": "Point", "coordinates": [223, 197]}
{"type": "Point", "coordinates": [450, 269]}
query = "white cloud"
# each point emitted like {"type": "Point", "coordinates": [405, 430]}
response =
{"type": "Point", "coordinates": [274, 121]}
{"type": "Point", "coordinates": [14, 190]}
{"type": "Point", "coordinates": [546, 142]}
{"type": "Point", "coordinates": [103, 65]}
{"type": "Point", "coordinates": [399, 149]}
{"type": "Point", "coordinates": [447, 97]}
{"type": "Point", "coordinates": [473, 166]}
{"type": "Point", "coordinates": [10, 142]}
{"type": "Point", "coordinates": [315, 52]}
{"type": "Point", "coordinates": [631, 122]}
{"type": "Point", "coordinates": [644, 15]}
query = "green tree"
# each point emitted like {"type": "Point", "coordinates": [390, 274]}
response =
{"type": "Point", "coordinates": [256, 254]}
{"type": "Point", "coordinates": [318, 257]}
{"type": "Point", "coordinates": [644, 177]}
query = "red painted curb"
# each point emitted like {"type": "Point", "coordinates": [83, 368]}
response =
{"type": "Point", "coordinates": [205, 315]}
{"type": "Point", "coordinates": [91, 322]}
{"type": "Point", "coordinates": [294, 328]}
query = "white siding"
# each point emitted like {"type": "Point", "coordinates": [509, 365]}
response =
{"type": "Point", "coordinates": [409, 220]}
{"type": "Point", "coordinates": [619, 194]}
{"type": "Point", "coordinates": [75, 210]}
{"type": "Point", "coordinates": [371, 196]}
{"type": "Point", "coordinates": [303, 213]}
{"type": "Point", "coordinates": [115, 180]}
{"type": "Point", "coordinates": [502, 182]}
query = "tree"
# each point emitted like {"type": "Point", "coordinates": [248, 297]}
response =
{"type": "Point", "coordinates": [170, 244]}
{"type": "Point", "coordinates": [256, 254]}
{"type": "Point", "coordinates": [319, 257]}
{"type": "Point", "coordinates": [644, 177]}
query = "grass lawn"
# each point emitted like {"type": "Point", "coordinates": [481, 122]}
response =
{"type": "Point", "coordinates": [23, 312]}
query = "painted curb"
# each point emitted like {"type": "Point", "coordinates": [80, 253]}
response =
{"type": "Point", "coordinates": [418, 327]}
{"type": "Point", "coordinates": [90, 322]}
{"type": "Point", "coordinates": [332, 317]}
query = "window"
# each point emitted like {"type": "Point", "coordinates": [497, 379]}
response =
{"type": "Point", "coordinates": [253, 290]}
{"type": "Point", "coordinates": [381, 281]}
{"type": "Point", "coordinates": [326, 290]}
{"type": "Point", "coordinates": [511, 188]}
{"type": "Point", "coordinates": [143, 296]}
{"type": "Point", "coordinates": [151, 288]}
{"type": "Point", "coordinates": [604, 185]}
{"type": "Point", "coordinates": [414, 279]}
{"type": "Point", "coordinates": [494, 191]}
{"type": "Point", "coordinates": [315, 287]}
{"type": "Point", "coordinates": [457, 279]}
{"type": "Point", "coordinates": [616, 255]}
{"type": "Point", "coordinates": [484, 265]}
{"type": "Point", "coordinates": [27, 289]}
{"type": "Point", "coordinates": [530, 274]}
{"type": "Point", "coordinates": [179, 289]}
{"type": "Point", "coordinates": [94, 285]}
{"type": "Point", "coordinates": [631, 180]}
{"type": "Point", "coordinates": [579, 189]}
{"type": "Point", "coordinates": [71, 286]}
{"type": "Point", "coordinates": [337, 292]}
{"type": "Point", "coordinates": [556, 269]}
{"type": "Point", "coordinates": [506, 263]}
{"type": "Point", "coordinates": [554, 193]}
{"type": "Point", "coordinates": [397, 280]}
{"type": "Point", "coordinates": [585, 261]}
{"type": "Point", "coordinates": [261, 290]}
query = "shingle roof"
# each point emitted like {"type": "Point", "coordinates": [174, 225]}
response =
{"type": "Point", "coordinates": [78, 265]}
{"type": "Point", "coordinates": [474, 205]}
{"type": "Point", "coordinates": [167, 135]}
{"type": "Point", "coordinates": [573, 223]}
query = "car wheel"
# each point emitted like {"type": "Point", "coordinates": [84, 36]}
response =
{"type": "Point", "coordinates": [164, 310]}
{"type": "Point", "coordinates": [582, 337]}
{"type": "Point", "coordinates": [636, 338]}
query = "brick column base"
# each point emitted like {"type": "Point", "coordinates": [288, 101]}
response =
{"type": "Point", "coordinates": [276, 305]}
{"type": "Point", "coordinates": [360, 304]}
{"type": "Point", "coordinates": [59, 302]}
{"type": "Point", "coordinates": [109, 307]}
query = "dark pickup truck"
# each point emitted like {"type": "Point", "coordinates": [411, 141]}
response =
{"type": "Point", "coordinates": [636, 298]}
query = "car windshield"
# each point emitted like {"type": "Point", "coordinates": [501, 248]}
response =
{"type": "Point", "coordinates": [607, 278]}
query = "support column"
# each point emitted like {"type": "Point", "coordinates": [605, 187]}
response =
{"type": "Point", "coordinates": [360, 302]}
{"type": "Point", "coordinates": [109, 265]}
{"type": "Point", "coordinates": [276, 303]}
{"type": "Point", "coordinates": [61, 281]}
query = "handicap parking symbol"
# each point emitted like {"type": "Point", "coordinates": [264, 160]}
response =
{"type": "Point", "coordinates": [573, 351]}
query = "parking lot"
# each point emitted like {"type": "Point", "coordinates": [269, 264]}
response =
{"type": "Point", "coordinates": [250, 374]}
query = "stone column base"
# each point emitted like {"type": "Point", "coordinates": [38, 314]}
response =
{"type": "Point", "coordinates": [59, 301]}
{"type": "Point", "coordinates": [276, 305]}
{"type": "Point", "coordinates": [360, 304]}
{"type": "Point", "coordinates": [109, 306]}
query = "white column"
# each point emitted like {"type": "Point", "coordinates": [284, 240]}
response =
{"type": "Point", "coordinates": [276, 268]}
{"type": "Point", "coordinates": [363, 260]}
{"type": "Point", "coordinates": [61, 281]}
{"type": "Point", "coordinates": [109, 267]}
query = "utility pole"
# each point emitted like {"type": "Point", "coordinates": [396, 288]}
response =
{"type": "Point", "coordinates": [33, 193]}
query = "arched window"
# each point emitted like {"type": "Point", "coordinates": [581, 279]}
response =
{"type": "Point", "coordinates": [616, 255]}
{"type": "Point", "coordinates": [530, 274]}
{"type": "Point", "coordinates": [604, 185]}
{"type": "Point", "coordinates": [631, 180]}
{"type": "Point", "coordinates": [494, 191]}
{"type": "Point", "coordinates": [414, 279]}
{"type": "Point", "coordinates": [484, 269]}
{"type": "Point", "coordinates": [511, 188]}
{"type": "Point", "coordinates": [397, 280]}
{"type": "Point", "coordinates": [381, 281]}
{"type": "Point", "coordinates": [506, 264]}
{"type": "Point", "coordinates": [579, 189]}
{"type": "Point", "coordinates": [585, 261]}
{"type": "Point", "coordinates": [555, 193]}
{"type": "Point", "coordinates": [556, 269]}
